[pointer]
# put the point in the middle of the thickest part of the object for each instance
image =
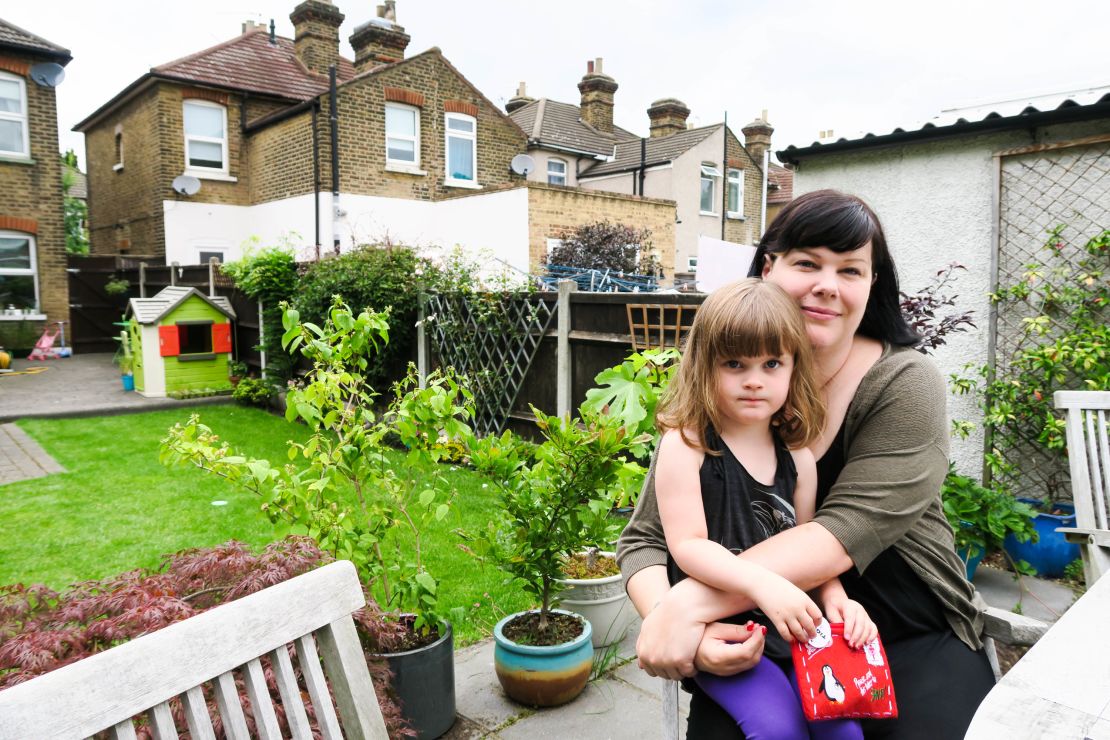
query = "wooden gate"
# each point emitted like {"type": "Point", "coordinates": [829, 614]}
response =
{"type": "Point", "coordinates": [93, 313]}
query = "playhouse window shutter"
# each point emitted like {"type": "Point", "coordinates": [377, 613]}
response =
{"type": "Point", "coordinates": [168, 343]}
{"type": "Point", "coordinates": [221, 337]}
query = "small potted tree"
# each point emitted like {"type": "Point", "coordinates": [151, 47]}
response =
{"type": "Point", "coordinates": [555, 499]}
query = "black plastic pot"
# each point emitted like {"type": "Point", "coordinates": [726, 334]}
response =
{"type": "Point", "coordinates": [424, 682]}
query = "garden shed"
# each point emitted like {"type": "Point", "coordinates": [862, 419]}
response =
{"type": "Point", "coordinates": [181, 341]}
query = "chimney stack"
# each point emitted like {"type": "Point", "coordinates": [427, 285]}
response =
{"type": "Point", "coordinates": [379, 40]}
{"type": "Point", "coordinates": [667, 116]}
{"type": "Point", "coordinates": [757, 138]}
{"type": "Point", "coordinates": [316, 34]}
{"type": "Point", "coordinates": [519, 100]}
{"type": "Point", "coordinates": [597, 91]}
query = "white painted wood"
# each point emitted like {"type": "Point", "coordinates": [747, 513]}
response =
{"type": "Point", "coordinates": [313, 674]}
{"type": "Point", "coordinates": [295, 715]}
{"type": "Point", "coordinates": [1089, 465]}
{"type": "Point", "coordinates": [563, 361]}
{"type": "Point", "coordinates": [671, 729]}
{"type": "Point", "coordinates": [123, 731]}
{"type": "Point", "coordinates": [161, 722]}
{"type": "Point", "coordinates": [196, 715]}
{"type": "Point", "coordinates": [105, 689]}
{"type": "Point", "coordinates": [1061, 688]}
{"type": "Point", "coordinates": [231, 711]}
{"type": "Point", "coordinates": [350, 681]}
{"type": "Point", "coordinates": [262, 707]}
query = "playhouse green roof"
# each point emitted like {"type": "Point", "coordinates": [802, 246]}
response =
{"type": "Point", "coordinates": [154, 309]}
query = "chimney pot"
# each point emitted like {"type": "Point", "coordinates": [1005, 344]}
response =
{"type": "Point", "coordinates": [519, 100]}
{"type": "Point", "coordinates": [316, 34]}
{"type": "Point", "coordinates": [597, 66]}
{"type": "Point", "coordinates": [597, 97]}
{"type": "Point", "coordinates": [379, 41]}
{"type": "Point", "coordinates": [589, 67]}
{"type": "Point", "coordinates": [668, 116]}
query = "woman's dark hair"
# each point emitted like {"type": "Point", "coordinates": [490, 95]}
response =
{"type": "Point", "coordinates": [843, 223]}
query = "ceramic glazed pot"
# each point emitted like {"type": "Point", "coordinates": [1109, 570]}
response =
{"type": "Point", "coordinates": [603, 602]}
{"type": "Point", "coordinates": [1051, 553]}
{"type": "Point", "coordinates": [543, 676]}
{"type": "Point", "coordinates": [424, 681]}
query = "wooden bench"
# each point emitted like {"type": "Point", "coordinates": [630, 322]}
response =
{"type": "Point", "coordinates": [1089, 465]}
{"type": "Point", "coordinates": [107, 690]}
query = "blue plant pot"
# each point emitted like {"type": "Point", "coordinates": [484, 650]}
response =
{"type": "Point", "coordinates": [128, 382]}
{"type": "Point", "coordinates": [543, 676]}
{"type": "Point", "coordinates": [971, 562]}
{"type": "Point", "coordinates": [1051, 553]}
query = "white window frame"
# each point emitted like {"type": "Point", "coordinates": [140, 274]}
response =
{"type": "Point", "coordinates": [220, 252]}
{"type": "Point", "coordinates": [735, 178]}
{"type": "Point", "coordinates": [562, 175]}
{"type": "Point", "coordinates": [33, 271]}
{"type": "Point", "coordinates": [472, 137]}
{"type": "Point", "coordinates": [692, 264]}
{"type": "Point", "coordinates": [20, 117]}
{"type": "Point", "coordinates": [222, 141]}
{"type": "Point", "coordinates": [401, 164]}
{"type": "Point", "coordinates": [711, 173]}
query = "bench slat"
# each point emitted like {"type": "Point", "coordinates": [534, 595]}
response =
{"type": "Point", "coordinates": [262, 707]}
{"type": "Point", "coordinates": [231, 711]}
{"type": "Point", "coordinates": [350, 681]}
{"type": "Point", "coordinates": [161, 722]}
{"type": "Point", "coordinates": [318, 689]}
{"type": "Point", "coordinates": [196, 714]}
{"type": "Point", "coordinates": [123, 731]}
{"type": "Point", "coordinates": [286, 679]}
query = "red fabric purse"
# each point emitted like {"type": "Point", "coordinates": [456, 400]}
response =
{"type": "Point", "coordinates": [838, 682]}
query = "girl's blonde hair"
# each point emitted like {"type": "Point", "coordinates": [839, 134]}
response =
{"type": "Point", "coordinates": [747, 318]}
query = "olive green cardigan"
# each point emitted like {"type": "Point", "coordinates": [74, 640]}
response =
{"type": "Point", "coordinates": [887, 495]}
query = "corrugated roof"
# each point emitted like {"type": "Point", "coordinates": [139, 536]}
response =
{"type": "Point", "coordinates": [780, 184]}
{"type": "Point", "coordinates": [13, 36]}
{"type": "Point", "coordinates": [660, 150]}
{"type": "Point", "coordinates": [250, 62]}
{"type": "Point", "coordinates": [1018, 112]}
{"type": "Point", "coordinates": [151, 310]}
{"type": "Point", "coordinates": [561, 124]}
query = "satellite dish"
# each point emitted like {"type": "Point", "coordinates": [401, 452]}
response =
{"type": "Point", "coordinates": [522, 164]}
{"type": "Point", "coordinates": [186, 185]}
{"type": "Point", "coordinates": [48, 74]}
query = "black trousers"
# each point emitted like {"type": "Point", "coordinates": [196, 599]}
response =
{"type": "Point", "coordinates": [938, 684]}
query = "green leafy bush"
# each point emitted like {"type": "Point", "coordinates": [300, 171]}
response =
{"type": "Point", "coordinates": [253, 392]}
{"type": "Point", "coordinates": [982, 517]}
{"type": "Point", "coordinates": [268, 275]}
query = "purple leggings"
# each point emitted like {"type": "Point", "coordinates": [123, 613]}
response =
{"type": "Point", "coordinates": [765, 703]}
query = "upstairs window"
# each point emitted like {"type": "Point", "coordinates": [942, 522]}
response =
{"type": "Point", "coordinates": [402, 135]}
{"type": "Point", "coordinates": [709, 176]}
{"type": "Point", "coordinates": [13, 116]}
{"type": "Point", "coordinates": [736, 193]}
{"type": "Point", "coordinates": [556, 172]}
{"type": "Point", "coordinates": [462, 138]}
{"type": "Point", "coordinates": [18, 276]}
{"type": "Point", "coordinates": [205, 136]}
{"type": "Point", "coordinates": [119, 149]}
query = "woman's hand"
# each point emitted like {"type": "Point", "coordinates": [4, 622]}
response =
{"type": "Point", "coordinates": [858, 627]}
{"type": "Point", "coordinates": [727, 649]}
{"type": "Point", "coordinates": [668, 641]}
{"type": "Point", "coordinates": [790, 609]}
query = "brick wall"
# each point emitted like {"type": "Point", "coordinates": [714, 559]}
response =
{"type": "Point", "coordinates": [553, 209]}
{"type": "Point", "coordinates": [749, 230]}
{"type": "Point", "coordinates": [31, 192]}
{"type": "Point", "coordinates": [280, 158]}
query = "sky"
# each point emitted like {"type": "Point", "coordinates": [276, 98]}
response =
{"type": "Point", "coordinates": [849, 66]}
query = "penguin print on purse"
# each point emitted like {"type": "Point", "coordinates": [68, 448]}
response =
{"type": "Point", "coordinates": [831, 686]}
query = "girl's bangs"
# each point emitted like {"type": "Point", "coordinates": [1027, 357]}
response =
{"type": "Point", "coordinates": [756, 332]}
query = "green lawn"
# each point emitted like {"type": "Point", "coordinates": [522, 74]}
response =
{"type": "Point", "coordinates": [118, 508]}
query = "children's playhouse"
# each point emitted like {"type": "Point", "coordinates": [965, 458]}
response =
{"type": "Point", "coordinates": [180, 340]}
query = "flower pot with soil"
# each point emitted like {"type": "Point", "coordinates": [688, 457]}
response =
{"type": "Point", "coordinates": [593, 588]}
{"type": "Point", "coordinates": [424, 681]}
{"type": "Point", "coordinates": [1050, 552]}
{"type": "Point", "coordinates": [543, 675]}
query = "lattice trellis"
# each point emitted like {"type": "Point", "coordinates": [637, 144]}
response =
{"type": "Point", "coordinates": [492, 339]}
{"type": "Point", "coordinates": [1039, 191]}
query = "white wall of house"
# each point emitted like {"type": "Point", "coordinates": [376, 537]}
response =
{"type": "Point", "coordinates": [494, 224]}
{"type": "Point", "coordinates": [541, 156]}
{"type": "Point", "coordinates": [687, 195]}
{"type": "Point", "coordinates": [934, 200]}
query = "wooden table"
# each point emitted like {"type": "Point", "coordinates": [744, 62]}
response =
{"type": "Point", "coordinates": [1061, 688]}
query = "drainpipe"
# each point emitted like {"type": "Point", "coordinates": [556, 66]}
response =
{"type": "Point", "coordinates": [333, 99]}
{"type": "Point", "coordinates": [643, 164]}
{"type": "Point", "coordinates": [316, 173]}
{"type": "Point", "coordinates": [724, 174]}
{"type": "Point", "coordinates": [763, 210]}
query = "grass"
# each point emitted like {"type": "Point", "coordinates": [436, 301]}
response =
{"type": "Point", "coordinates": [117, 508]}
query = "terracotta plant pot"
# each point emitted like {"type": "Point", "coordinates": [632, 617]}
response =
{"type": "Point", "coordinates": [543, 676]}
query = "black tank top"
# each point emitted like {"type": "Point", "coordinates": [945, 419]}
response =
{"type": "Point", "coordinates": [741, 512]}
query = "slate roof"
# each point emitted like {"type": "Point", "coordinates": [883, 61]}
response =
{"type": "Point", "coordinates": [547, 121]}
{"type": "Point", "coordinates": [660, 150]}
{"type": "Point", "coordinates": [12, 36]}
{"type": "Point", "coordinates": [780, 184]}
{"type": "Point", "coordinates": [152, 310]}
{"type": "Point", "coordinates": [1022, 112]}
{"type": "Point", "coordinates": [251, 63]}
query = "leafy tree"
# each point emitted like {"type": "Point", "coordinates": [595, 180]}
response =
{"type": "Point", "coordinates": [76, 213]}
{"type": "Point", "coordinates": [604, 245]}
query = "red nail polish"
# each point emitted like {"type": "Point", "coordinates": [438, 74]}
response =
{"type": "Point", "coordinates": [764, 630]}
{"type": "Point", "coordinates": [750, 626]}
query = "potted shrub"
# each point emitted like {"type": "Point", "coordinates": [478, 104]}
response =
{"type": "Point", "coordinates": [125, 361]}
{"type": "Point", "coordinates": [236, 371]}
{"type": "Point", "coordinates": [591, 586]}
{"type": "Point", "coordinates": [347, 490]}
{"type": "Point", "coordinates": [555, 498]}
{"type": "Point", "coordinates": [983, 518]}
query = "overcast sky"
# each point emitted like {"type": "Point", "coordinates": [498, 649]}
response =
{"type": "Point", "coordinates": [846, 65]}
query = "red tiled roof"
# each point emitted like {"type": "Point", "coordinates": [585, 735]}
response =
{"type": "Point", "coordinates": [249, 62]}
{"type": "Point", "coordinates": [780, 184]}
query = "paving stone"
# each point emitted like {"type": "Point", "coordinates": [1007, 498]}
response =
{"type": "Point", "coordinates": [478, 695]}
{"type": "Point", "coordinates": [1043, 599]}
{"type": "Point", "coordinates": [22, 458]}
{"type": "Point", "coordinates": [607, 709]}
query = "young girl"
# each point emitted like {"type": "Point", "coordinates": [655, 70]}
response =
{"type": "Point", "coordinates": [733, 470]}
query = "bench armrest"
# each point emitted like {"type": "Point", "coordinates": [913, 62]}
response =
{"type": "Point", "coordinates": [1083, 536]}
{"type": "Point", "coordinates": [1010, 628]}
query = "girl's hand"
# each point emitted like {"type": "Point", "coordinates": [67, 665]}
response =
{"type": "Point", "coordinates": [668, 642]}
{"type": "Point", "coordinates": [728, 649]}
{"type": "Point", "coordinates": [858, 627]}
{"type": "Point", "coordinates": [788, 607]}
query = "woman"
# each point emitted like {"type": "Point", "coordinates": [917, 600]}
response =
{"type": "Point", "coordinates": [879, 526]}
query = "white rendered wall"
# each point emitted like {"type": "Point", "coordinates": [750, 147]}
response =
{"type": "Point", "coordinates": [195, 227]}
{"type": "Point", "coordinates": [934, 200]}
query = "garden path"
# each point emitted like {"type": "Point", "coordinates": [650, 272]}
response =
{"type": "Point", "coordinates": [21, 457]}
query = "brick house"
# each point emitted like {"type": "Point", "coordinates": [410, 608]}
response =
{"type": "Point", "coordinates": [33, 279]}
{"type": "Point", "coordinates": [715, 180]}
